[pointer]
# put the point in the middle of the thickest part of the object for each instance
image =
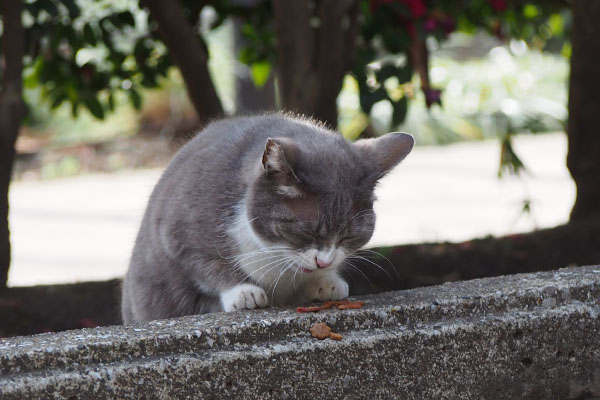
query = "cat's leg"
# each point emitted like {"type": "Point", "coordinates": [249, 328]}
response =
{"type": "Point", "coordinates": [325, 286]}
{"type": "Point", "coordinates": [243, 296]}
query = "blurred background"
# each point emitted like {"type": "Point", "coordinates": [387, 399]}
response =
{"type": "Point", "coordinates": [112, 88]}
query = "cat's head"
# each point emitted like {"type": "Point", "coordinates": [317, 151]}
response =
{"type": "Point", "coordinates": [318, 199]}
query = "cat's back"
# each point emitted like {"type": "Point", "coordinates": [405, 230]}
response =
{"type": "Point", "coordinates": [212, 171]}
{"type": "Point", "coordinates": [249, 134]}
{"type": "Point", "coordinates": [234, 145]}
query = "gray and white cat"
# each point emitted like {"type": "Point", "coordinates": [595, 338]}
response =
{"type": "Point", "coordinates": [256, 211]}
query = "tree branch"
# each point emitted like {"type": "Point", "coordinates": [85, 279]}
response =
{"type": "Point", "coordinates": [188, 53]}
{"type": "Point", "coordinates": [295, 50]}
{"type": "Point", "coordinates": [11, 114]}
{"type": "Point", "coordinates": [337, 35]}
{"type": "Point", "coordinates": [583, 158]}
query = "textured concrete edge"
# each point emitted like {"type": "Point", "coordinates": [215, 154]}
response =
{"type": "Point", "coordinates": [220, 330]}
{"type": "Point", "coordinates": [515, 354]}
{"type": "Point", "coordinates": [36, 361]}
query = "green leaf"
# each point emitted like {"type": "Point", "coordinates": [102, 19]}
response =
{"type": "Point", "coordinates": [368, 97]}
{"type": "Point", "coordinates": [111, 102]}
{"type": "Point", "coordinates": [509, 160]}
{"type": "Point", "coordinates": [405, 74]}
{"type": "Point", "coordinates": [162, 65]}
{"type": "Point", "coordinates": [69, 33]}
{"type": "Point", "coordinates": [136, 99]}
{"type": "Point", "coordinates": [106, 36]}
{"type": "Point", "coordinates": [88, 35]}
{"type": "Point", "coordinates": [58, 100]}
{"type": "Point", "coordinates": [94, 106]}
{"type": "Point", "coordinates": [32, 80]}
{"type": "Point", "coordinates": [260, 71]}
{"type": "Point", "coordinates": [530, 11]}
{"type": "Point", "coordinates": [386, 71]}
{"type": "Point", "coordinates": [74, 108]}
{"type": "Point", "coordinates": [149, 78]}
{"type": "Point", "coordinates": [566, 50]}
{"type": "Point", "coordinates": [141, 51]}
{"type": "Point", "coordinates": [32, 8]}
{"type": "Point", "coordinates": [248, 31]}
{"type": "Point", "coordinates": [556, 24]}
{"type": "Point", "coordinates": [126, 18]}
{"type": "Point", "coordinates": [400, 109]}
{"type": "Point", "coordinates": [49, 7]}
{"type": "Point", "coordinates": [73, 8]}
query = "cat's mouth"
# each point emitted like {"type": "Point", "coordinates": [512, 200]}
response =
{"type": "Point", "coordinates": [306, 270]}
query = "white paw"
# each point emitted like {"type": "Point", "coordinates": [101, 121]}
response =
{"type": "Point", "coordinates": [326, 288]}
{"type": "Point", "coordinates": [243, 296]}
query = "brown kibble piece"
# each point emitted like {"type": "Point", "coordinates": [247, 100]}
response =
{"type": "Point", "coordinates": [350, 305]}
{"type": "Point", "coordinates": [309, 309]}
{"type": "Point", "coordinates": [335, 336]}
{"type": "Point", "coordinates": [320, 330]}
{"type": "Point", "coordinates": [335, 303]}
{"type": "Point", "coordinates": [339, 304]}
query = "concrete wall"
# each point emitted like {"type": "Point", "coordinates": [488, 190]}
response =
{"type": "Point", "coordinates": [531, 336]}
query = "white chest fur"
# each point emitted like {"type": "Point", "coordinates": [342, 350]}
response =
{"type": "Point", "coordinates": [272, 266]}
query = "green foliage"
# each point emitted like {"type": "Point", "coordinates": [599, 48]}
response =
{"type": "Point", "coordinates": [91, 53]}
{"type": "Point", "coordinates": [88, 52]}
{"type": "Point", "coordinates": [258, 32]}
{"type": "Point", "coordinates": [390, 28]}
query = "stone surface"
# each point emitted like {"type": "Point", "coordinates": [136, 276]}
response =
{"type": "Point", "coordinates": [531, 336]}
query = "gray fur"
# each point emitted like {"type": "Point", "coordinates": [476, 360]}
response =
{"type": "Point", "coordinates": [302, 185]}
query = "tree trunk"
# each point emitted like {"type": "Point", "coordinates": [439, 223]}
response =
{"type": "Point", "coordinates": [583, 129]}
{"type": "Point", "coordinates": [315, 50]}
{"type": "Point", "coordinates": [248, 97]}
{"type": "Point", "coordinates": [11, 113]}
{"type": "Point", "coordinates": [189, 54]}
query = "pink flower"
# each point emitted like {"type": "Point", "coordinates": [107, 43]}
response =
{"type": "Point", "coordinates": [498, 5]}
{"type": "Point", "coordinates": [417, 7]}
{"type": "Point", "coordinates": [430, 24]}
{"type": "Point", "coordinates": [375, 4]}
{"type": "Point", "coordinates": [448, 25]}
{"type": "Point", "coordinates": [432, 96]}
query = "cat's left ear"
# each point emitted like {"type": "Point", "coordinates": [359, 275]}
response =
{"type": "Point", "coordinates": [279, 158]}
{"type": "Point", "coordinates": [388, 150]}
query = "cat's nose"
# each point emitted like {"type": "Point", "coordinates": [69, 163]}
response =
{"type": "Point", "coordinates": [322, 263]}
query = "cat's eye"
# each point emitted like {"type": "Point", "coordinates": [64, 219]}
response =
{"type": "Point", "coordinates": [347, 240]}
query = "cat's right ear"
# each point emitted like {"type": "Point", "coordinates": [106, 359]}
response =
{"type": "Point", "coordinates": [278, 159]}
{"type": "Point", "coordinates": [388, 150]}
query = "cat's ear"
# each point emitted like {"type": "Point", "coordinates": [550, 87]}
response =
{"type": "Point", "coordinates": [279, 158]}
{"type": "Point", "coordinates": [388, 150]}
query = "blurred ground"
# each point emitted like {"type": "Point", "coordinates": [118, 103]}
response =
{"type": "Point", "coordinates": [83, 228]}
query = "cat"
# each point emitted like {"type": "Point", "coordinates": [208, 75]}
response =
{"type": "Point", "coordinates": [256, 211]}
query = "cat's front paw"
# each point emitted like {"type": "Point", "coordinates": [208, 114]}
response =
{"type": "Point", "coordinates": [326, 288]}
{"type": "Point", "coordinates": [243, 296]}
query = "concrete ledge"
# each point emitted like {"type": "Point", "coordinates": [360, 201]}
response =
{"type": "Point", "coordinates": [521, 336]}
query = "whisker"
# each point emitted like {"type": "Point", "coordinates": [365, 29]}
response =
{"type": "Point", "coordinates": [295, 273]}
{"type": "Point", "coordinates": [279, 277]}
{"type": "Point", "coordinates": [373, 263]}
{"type": "Point", "coordinates": [283, 260]}
{"type": "Point", "coordinates": [362, 212]}
{"type": "Point", "coordinates": [240, 266]}
{"type": "Point", "coordinates": [392, 266]}
{"type": "Point", "coordinates": [266, 253]}
{"type": "Point", "coordinates": [258, 251]}
{"type": "Point", "coordinates": [276, 262]}
{"type": "Point", "coordinates": [362, 273]}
